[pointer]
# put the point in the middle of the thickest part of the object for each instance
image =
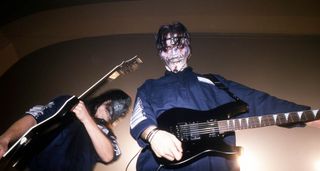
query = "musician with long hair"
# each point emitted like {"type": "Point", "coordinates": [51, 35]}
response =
{"type": "Point", "coordinates": [84, 141]}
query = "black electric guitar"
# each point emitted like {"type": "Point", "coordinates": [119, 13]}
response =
{"type": "Point", "coordinates": [201, 132]}
{"type": "Point", "coordinates": [40, 135]}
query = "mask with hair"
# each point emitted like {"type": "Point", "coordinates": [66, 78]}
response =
{"type": "Point", "coordinates": [117, 103]}
{"type": "Point", "coordinates": [118, 108]}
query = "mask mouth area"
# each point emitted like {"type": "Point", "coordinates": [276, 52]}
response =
{"type": "Point", "coordinates": [175, 60]}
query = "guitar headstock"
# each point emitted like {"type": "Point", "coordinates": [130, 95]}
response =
{"type": "Point", "coordinates": [122, 69]}
{"type": "Point", "coordinates": [125, 67]}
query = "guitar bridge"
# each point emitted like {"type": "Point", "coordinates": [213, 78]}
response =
{"type": "Point", "coordinates": [195, 131]}
{"type": "Point", "coordinates": [188, 131]}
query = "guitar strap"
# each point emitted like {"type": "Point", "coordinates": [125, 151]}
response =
{"type": "Point", "coordinates": [221, 86]}
{"type": "Point", "coordinates": [243, 105]}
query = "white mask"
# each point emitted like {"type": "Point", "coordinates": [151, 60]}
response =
{"type": "Point", "coordinates": [175, 57]}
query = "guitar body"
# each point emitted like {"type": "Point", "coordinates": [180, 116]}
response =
{"type": "Point", "coordinates": [202, 132]}
{"type": "Point", "coordinates": [182, 123]}
{"type": "Point", "coordinates": [38, 137]}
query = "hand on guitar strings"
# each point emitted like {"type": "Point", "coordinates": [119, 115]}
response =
{"type": "Point", "coordinates": [81, 112]}
{"type": "Point", "coordinates": [165, 144]}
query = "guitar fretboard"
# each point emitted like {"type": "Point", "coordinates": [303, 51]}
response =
{"type": "Point", "coordinates": [268, 120]}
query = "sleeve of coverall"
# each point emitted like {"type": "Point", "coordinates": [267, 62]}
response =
{"type": "Point", "coordinates": [142, 116]}
{"type": "Point", "coordinates": [42, 112]}
{"type": "Point", "coordinates": [261, 103]}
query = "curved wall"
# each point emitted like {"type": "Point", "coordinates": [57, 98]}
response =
{"type": "Point", "coordinates": [47, 27]}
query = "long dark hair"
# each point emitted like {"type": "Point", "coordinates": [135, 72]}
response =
{"type": "Point", "coordinates": [120, 103]}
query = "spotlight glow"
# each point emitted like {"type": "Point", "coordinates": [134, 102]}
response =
{"type": "Point", "coordinates": [248, 162]}
{"type": "Point", "coordinates": [317, 165]}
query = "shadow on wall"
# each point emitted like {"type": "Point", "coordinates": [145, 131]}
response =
{"type": "Point", "coordinates": [69, 68]}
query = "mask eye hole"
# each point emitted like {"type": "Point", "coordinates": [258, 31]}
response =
{"type": "Point", "coordinates": [179, 46]}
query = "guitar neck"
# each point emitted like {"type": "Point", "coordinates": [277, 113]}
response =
{"type": "Point", "coordinates": [121, 69]}
{"type": "Point", "coordinates": [268, 120]}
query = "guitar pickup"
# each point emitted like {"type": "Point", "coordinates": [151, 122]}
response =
{"type": "Point", "coordinates": [187, 131]}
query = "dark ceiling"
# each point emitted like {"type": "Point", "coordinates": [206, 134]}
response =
{"type": "Point", "coordinates": [13, 9]}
